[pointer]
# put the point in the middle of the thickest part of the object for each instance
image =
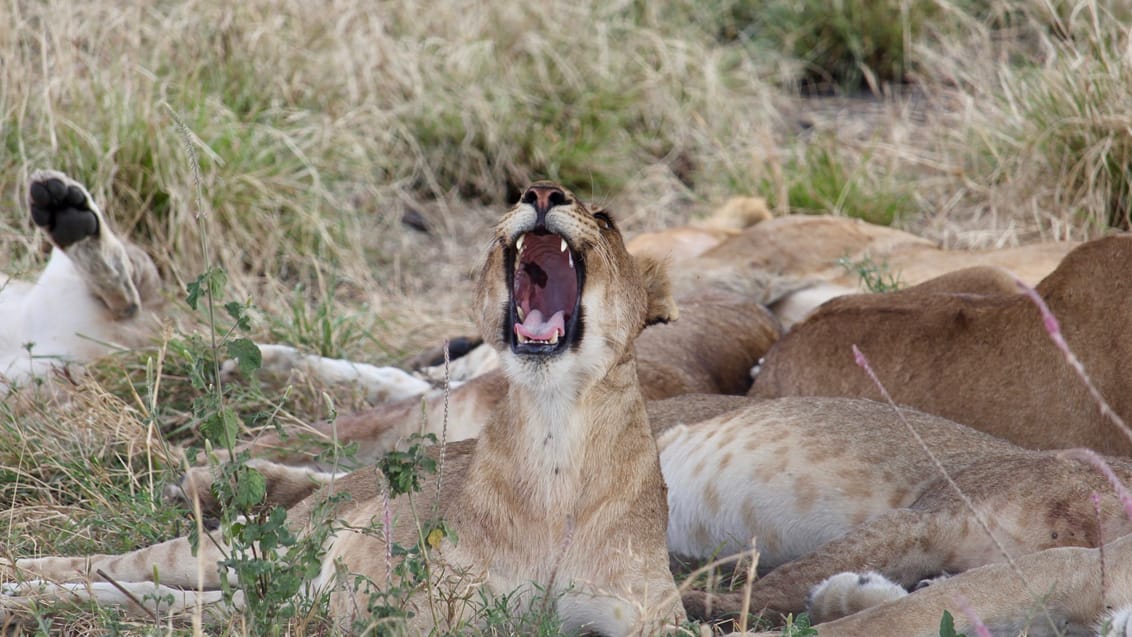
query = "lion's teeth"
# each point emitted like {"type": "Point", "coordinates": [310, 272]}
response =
{"type": "Point", "coordinates": [563, 248]}
{"type": "Point", "coordinates": [554, 339]}
{"type": "Point", "coordinates": [571, 260]}
{"type": "Point", "coordinates": [522, 314]}
{"type": "Point", "coordinates": [519, 244]}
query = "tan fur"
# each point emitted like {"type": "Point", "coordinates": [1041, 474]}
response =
{"type": "Point", "coordinates": [806, 251]}
{"type": "Point", "coordinates": [678, 244]}
{"type": "Point", "coordinates": [709, 350]}
{"type": "Point", "coordinates": [738, 213]}
{"type": "Point", "coordinates": [673, 245]}
{"type": "Point", "coordinates": [286, 463]}
{"type": "Point", "coordinates": [824, 485]}
{"type": "Point", "coordinates": [985, 361]}
{"type": "Point", "coordinates": [807, 245]}
{"type": "Point", "coordinates": [1053, 592]}
{"type": "Point", "coordinates": [562, 492]}
{"type": "Point", "coordinates": [827, 485]}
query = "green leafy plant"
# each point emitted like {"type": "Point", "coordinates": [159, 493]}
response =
{"type": "Point", "coordinates": [947, 626]}
{"type": "Point", "coordinates": [269, 561]}
{"type": "Point", "coordinates": [413, 571]}
{"type": "Point", "coordinates": [403, 469]}
{"type": "Point", "coordinates": [874, 277]}
{"type": "Point", "coordinates": [798, 626]}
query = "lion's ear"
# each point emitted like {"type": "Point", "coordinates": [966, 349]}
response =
{"type": "Point", "coordinates": [662, 307]}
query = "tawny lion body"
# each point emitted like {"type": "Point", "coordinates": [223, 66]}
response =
{"type": "Point", "coordinates": [562, 492]}
{"type": "Point", "coordinates": [809, 245]}
{"type": "Point", "coordinates": [673, 245]}
{"type": "Point", "coordinates": [823, 250]}
{"type": "Point", "coordinates": [827, 485]}
{"type": "Point", "coordinates": [983, 360]}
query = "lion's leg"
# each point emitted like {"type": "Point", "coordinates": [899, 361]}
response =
{"type": "Point", "coordinates": [1053, 592]}
{"type": "Point", "coordinates": [905, 546]}
{"type": "Point", "coordinates": [171, 563]}
{"type": "Point", "coordinates": [136, 599]}
{"type": "Point", "coordinates": [380, 384]}
{"type": "Point", "coordinates": [65, 211]}
{"type": "Point", "coordinates": [382, 429]}
{"type": "Point", "coordinates": [471, 364]}
{"type": "Point", "coordinates": [286, 485]}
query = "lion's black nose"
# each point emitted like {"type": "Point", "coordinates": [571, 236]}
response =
{"type": "Point", "coordinates": [544, 197]}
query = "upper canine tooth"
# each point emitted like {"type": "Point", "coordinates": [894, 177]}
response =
{"type": "Point", "coordinates": [563, 249]}
{"type": "Point", "coordinates": [519, 243]}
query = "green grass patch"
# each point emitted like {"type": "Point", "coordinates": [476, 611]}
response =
{"type": "Point", "coordinates": [843, 46]}
{"type": "Point", "coordinates": [819, 181]}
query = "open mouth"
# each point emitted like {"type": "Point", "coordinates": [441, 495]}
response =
{"type": "Point", "coordinates": [545, 277]}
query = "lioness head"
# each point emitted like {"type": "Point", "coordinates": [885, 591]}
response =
{"type": "Point", "coordinates": [559, 295]}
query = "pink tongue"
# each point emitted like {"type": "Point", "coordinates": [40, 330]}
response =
{"type": "Point", "coordinates": [535, 329]}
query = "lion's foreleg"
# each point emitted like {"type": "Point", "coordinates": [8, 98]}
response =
{"type": "Point", "coordinates": [137, 599]}
{"type": "Point", "coordinates": [903, 546]}
{"type": "Point", "coordinates": [171, 563]}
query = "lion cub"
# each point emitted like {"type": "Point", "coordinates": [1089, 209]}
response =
{"type": "Point", "coordinates": [562, 493]}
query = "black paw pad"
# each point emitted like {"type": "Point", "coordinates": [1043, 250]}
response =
{"type": "Point", "coordinates": [61, 209]}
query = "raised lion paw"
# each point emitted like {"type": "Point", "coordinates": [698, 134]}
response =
{"type": "Point", "coordinates": [62, 207]}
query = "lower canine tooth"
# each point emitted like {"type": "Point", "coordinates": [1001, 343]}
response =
{"type": "Point", "coordinates": [554, 339]}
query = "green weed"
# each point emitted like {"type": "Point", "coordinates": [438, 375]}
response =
{"type": "Point", "coordinates": [947, 626]}
{"type": "Point", "coordinates": [798, 626]}
{"type": "Point", "coordinates": [873, 277]}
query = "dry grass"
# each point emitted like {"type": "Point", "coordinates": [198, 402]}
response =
{"type": "Point", "coordinates": [319, 125]}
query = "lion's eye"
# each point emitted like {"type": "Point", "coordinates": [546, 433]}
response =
{"type": "Point", "coordinates": [604, 220]}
